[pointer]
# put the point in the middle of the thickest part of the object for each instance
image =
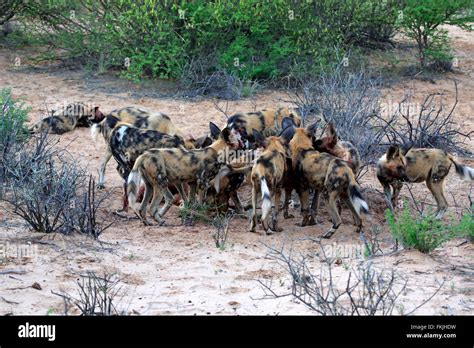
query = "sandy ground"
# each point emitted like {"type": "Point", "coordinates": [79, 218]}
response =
{"type": "Point", "coordinates": [178, 269]}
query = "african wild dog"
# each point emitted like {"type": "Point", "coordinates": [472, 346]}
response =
{"type": "Point", "coordinates": [65, 120]}
{"type": "Point", "coordinates": [160, 167]}
{"type": "Point", "coordinates": [417, 165]}
{"type": "Point", "coordinates": [268, 122]}
{"type": "Point", "coordinates": [267, 177]}
{"type": "Point", "coordinates": [238, 172]}
{"type": "Point", "coordinates": [318, 170]}
{"type": "Point", "coordinates": [140, 119]}
{"type": "Point", "coordinates": [344, 150]}
{"type": "Point", "coordinates": [126, 143]}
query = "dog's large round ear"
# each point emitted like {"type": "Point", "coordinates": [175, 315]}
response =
{"type": "Point", "coordinates": [225, 134]}
{"type": "Point", "coordinates": [287, 122]}
{"type": "Point", "coordinates": [215, 131]}
{"type": "Point", "coordinates": [202, 142]}
{"type": "Point", "coordinates": [392, 152]}
{"type": "Point", "coordinates": [258, 137]}
{"type": "Point", "coordinates": [98, 115]}
{"type": "Point", "coordinates": [287, 134]}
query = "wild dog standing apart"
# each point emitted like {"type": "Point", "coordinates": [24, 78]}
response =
{"type": "Point", "coordinates": [65, 120]}
{"type": "Point", "coordinates": [344, 150]}
{"type": "Point", "coordinates": [139, 119]}
{"type": "Point", "coordinates": [268, 122]}
{"type": "Point", "coordinates": [417, 165]}
{"type": "Point", "coordinates": [267, 178]}
{"type": "Point", "coordinates": [160, 167]}
{"type": "Point", "coordinates": [126, 143]}
{"type": "Point", "coordinates": [323, 171]}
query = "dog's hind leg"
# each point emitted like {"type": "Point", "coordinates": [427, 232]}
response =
{"type": "Point", "coordinates": [314, 208]}
{"type": "Point", "coordinates": [168, 201]}
{"type": "Point", "coordinates": [336, 219]}
{"type": "Point", "coordinates": [286, 204]}
{"type": "Point", "coordinates": [253, 216]}
{"type": "Point", "coordinates": [436, 188]}
{"type": "Point", "coordinates": [181, 192]}
{"type": "Point", "coordinates": [103, 166]}
{"type": "Point", "coordinates": [146, 198]}
{"type": "Point", "coordinates": [357, 218]}
{"type": "Point", "coordinates": [275, 209]}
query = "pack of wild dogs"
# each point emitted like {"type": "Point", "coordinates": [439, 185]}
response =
{"type": "Point", "coordinates": [275, 154]}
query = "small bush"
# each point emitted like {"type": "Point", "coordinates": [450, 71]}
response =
{"type": "Point", "coordinates": [465, 227]}
{"type": "Point", "coordinates": [194, 211]}
{"type": "Point", "coordinates": [13, 131]}
{"type": "Point", "coordinates": [40, 184]}
{"type": "Point", "coordinates": [350, 100]}
{"type": "Point", "coordinates": [424, 233]}
{"type": "Point", "coordinates": [14, 115]}
{"type": "Point", "coordinates": [97, 295]}
{"type": "Point", "coordinates": [47, 189]}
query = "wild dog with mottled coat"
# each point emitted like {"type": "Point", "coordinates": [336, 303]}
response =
{"type": "Point", "coordinates": [139, 119]}
{"type": "Point", "coordinates": [417, 165]}
{"type": "Point", "coordinates": [267, 178]}
{"type": "Point", "coordinates": [160, 167]}
{"type": "Point", "coordinates": [67, 119]}
{"type": "Point", "coordinates": [321, 171]}
{"type": "Point", "coordinates": [344, 150]}
{"type": "Point", "coordinates": [127, 142]}
{"type": "Point", "coordinates": [268, 122]}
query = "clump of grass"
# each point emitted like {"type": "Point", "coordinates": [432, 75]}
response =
{"type": "Point", "coordinates": [194, 211]}
{"type": "Point", "coordinates": [424, 233]}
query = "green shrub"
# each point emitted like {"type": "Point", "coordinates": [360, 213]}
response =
{"type": "Point", "coordinates": [424, 233]}
{"type": "Point", "coordinates": [251, 39]}
{"type": "Point", "coordinates": [421, 20]}
{"type": "Point", "coordinates": [13, 115]}
{"type": "Point", "coordinates": [465, 227]}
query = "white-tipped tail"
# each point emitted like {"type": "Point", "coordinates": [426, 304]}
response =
{"type": "Point", "coordinates": [224, 171]}
{"type": "Point", "coordinates": [360, 205]}
{"type": "Point", "coordinates": [467, 173]}
{"type": "Point", "coordinates": [266, 202]}
{"type": "Point", "coordinates": [358, 202]}
{"type": "Point", "coordinates": [95, 130]}
{"type": "Point", "coordinates": [133, 185]}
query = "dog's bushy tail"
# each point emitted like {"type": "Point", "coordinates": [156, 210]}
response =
{"type": "Point", "coordinates": [96, 129]}
{"type": "Point", "coordinates": [356, 198]}
{"type": "Point", "coordinates": [133, 182]}
{"type": "Point", "coordinates": [266, 202]}
{"type": "Point", "coordinates": [465, 172]}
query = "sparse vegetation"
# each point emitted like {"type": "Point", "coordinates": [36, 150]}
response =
{"type": "Point", "coordinates": [194, 211]}
{"type": "Point", "coordinates": [363, 290]}
{"type": "Point", "coordinates": [97, 295]}
{"type": "Point", "coordinates": [43, 185]}
{"type": "Point", "coordinates": [221, 225]}
{"type": "Point", "coordinates": [424, 233]}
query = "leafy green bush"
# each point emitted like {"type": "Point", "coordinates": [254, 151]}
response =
{"type": "Point", "coordinates": [424, 233]}
{"type": "Point", "coordinates": [465, 227]}
{"type": "Point", "coordinates": [13, 115]}
{"type": "Point", "coordinates": [421, 20]}
{"type": "Point", "coordinates": [251, 39]}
